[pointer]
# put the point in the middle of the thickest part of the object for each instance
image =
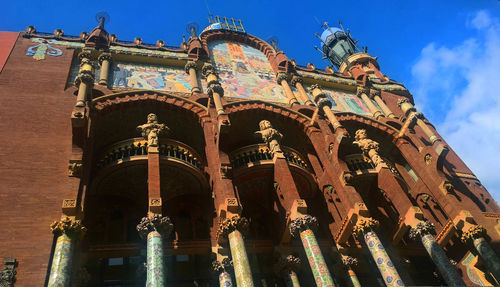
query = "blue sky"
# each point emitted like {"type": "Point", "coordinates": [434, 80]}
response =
{"type": "Point", "coordinates": [446, 52]}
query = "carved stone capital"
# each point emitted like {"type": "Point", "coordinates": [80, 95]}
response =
{"type": "Point", "coordinates": [190, 65]}
{"type": "Point", "coordinates": [68, 226]}
{"type": "Point", "coordinates": [105, 57]}
{"type": "Point", "coordinates": [472, 233]}
{"type": "Point", "coordinates": [208, 69]}
{"type": "Point", "coordinates": [374, 93]}
{"type": "Point", "coordinates": [270, 136]}
{"type": "Point", "coordinates": [323, 102]}
{"type": "Point", "coordinates": [282, 76]}
{"type": "Point", "coordinates": [314, 87]}
{"type": "Point", "coordinates": [75, 169]}
{"type": "Point", "coordinates": [362, 90]}
{"type": "Point", "coordinates": [422, 228]}
{"type": "Point", "coordinates": [8, 273]}
{"type": "Point", "coordinates": [349, 261]}
{"type": "Point", "coordinates": [229, 225]}
{"type": "Point", "coordinates": [152, 130]}
{"type": "Point", "coordinates": [215, 87]}
{"type": "Point", "coordinates": [84, 54]}
{"type": "Point", "coordinates": [285, 265]}
{"type": "Point", "coordinates": [402, 101]}
{"type": "Point", "coordinates": [419, 115]}
{"type": "Point", "coordinates": [295, 80]}
{"type": "Point", "coordinates": [158, 223]}
{"type": "Point", "coordinates": [365, 224]}
{"type": "Point", "coordinates": [225, 266]}
{"type": "Point", "coordinates": [303, 223]}
{"type": "Point", "coordinates": [85, 77]}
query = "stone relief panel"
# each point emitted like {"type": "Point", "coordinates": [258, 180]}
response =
{"type": "Point", "coordinates": [245, 72]}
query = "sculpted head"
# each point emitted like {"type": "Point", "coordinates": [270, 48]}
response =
{"type": "Point", "coordinates": [264, 125]}
{"type": "Point", "coordinates": [360, 134]}
{"type": "Point", "coordinates": [152, 119]}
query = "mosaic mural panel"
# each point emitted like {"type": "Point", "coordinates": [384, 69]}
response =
{"type": "Point", "coordinates": [343, 101]}
{"type": "Point", "coordinates": [245, 72]}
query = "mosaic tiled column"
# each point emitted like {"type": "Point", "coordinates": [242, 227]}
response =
{"type": "Point", "coordinates": [221, 269]}
{"type": "Point", "coordinates": [232, 228]}
{"type": "Point", "coordinates": [105, 60]}
{"type": "Point", "coordinates": [154, 229]}
{"type": "Point", "coordinates": [365, 227]}
{"type": "Point", "coordinates": [85, 78]}
{"type": "Point", "coordinates": [350, 263]}
{"type": "Point", "coordinates": [67, 231]}
{"type": "Point", "coordinates": [288, 268]}
{"type": "Point", "coordinates": [303, 227]}
{"type": "Point", "coordinates": [215, 90]}
{"type": "Point", "coordinates": [424, 231]}
{"type": "Point", "coordinates": [193, 79]}
{"type": "Point", "coordinates": [476, 236]}
{"type": "Point", "coordinates": [282, 79]}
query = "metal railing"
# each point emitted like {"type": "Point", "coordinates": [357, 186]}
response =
{"type": "Point", "coordinates": [254, 154]}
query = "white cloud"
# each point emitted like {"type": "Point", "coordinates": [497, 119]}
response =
{"type": "Point", "coordinates": [458, 87]}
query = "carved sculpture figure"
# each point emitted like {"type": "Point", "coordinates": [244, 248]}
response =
{"type": "Point", "coordinates": [270, 136]}
{"type": "Point", "coordinates": [152, 130]}
{"type": "Point", "coordinates": [368, 146]}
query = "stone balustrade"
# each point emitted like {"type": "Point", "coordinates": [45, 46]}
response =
{"type": "Point", "coordinates": [254, 154]}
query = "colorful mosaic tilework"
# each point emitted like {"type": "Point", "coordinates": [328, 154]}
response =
{"type": "Point", "coordinates": [442, 261]}
{"type": "Point", "coordinates": [240, 260]}
{"type": "Point", "coordinates": [225, 280]}
{"type": "Point", "coordinates": [343, 101]}
{"type": "Point", "coordinates": [245, 72]}
{"type": "Point", "coordinates": [156, 266]}
{"type": "Point", "coordinates": [316, 261]}
{"type": "Point", "coordinates": [381, 258]}
{"type": "Point", "coordinates": [60, 272]}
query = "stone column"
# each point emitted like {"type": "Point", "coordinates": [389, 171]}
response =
{"type": "Point", "coordinates": [475, 235]}
{"type": "Point", "coordinates": [365, 227]}
{"type": "Point", "coordinates": [67, 231]}
{"type": "Point", "coordinates": [324, 105]}
{"type": "Point", "coordinates": [105, 60]}
{"type": "Point", "coordinates": [375, 94]}
{"type": "Point", "coordinates": [297, 82]}
{"type": "Point", "coordinates": [221, 269]}
{"type": "Point", "coordinates": [154, 229]}
{"type": "Point", "coordinates": [287, 268]}
{"type": "Point", "coordinates": [282, 79]}
{"type": "Point", "coordinates": [409, 110]}
{"type": "Point", "coordinates": [424, 231]}
{"type": "Point", "coordinates": [85, 79]}
{"type": "Point", "coordinates": [193, 78]}
{"type": "Point", "coordinates": [215, 90]}
{"type": "Point", "coordinates": [350, 263]}
{"type": "Point", "coordinates": [362, 93]}
{"type": "Point", "coordinates": [232, 228]}
{"type": "Point", "coordinates": [303, 227]}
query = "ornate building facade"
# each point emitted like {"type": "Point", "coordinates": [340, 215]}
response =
{"type": "Point", "coordinates": [222, 162]}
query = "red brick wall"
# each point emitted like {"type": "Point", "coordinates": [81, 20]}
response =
{"type": "Point", "coordinates": [7, 40]}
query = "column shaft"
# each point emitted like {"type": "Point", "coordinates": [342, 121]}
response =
{"type": "Point", "coordinates": [432, 137]}
{"type": "Point", "coordinates": [303, 94]}
{"type": "Point", "coordinates": [82, 94]}
{"type": "Point", "coordinates": [291, 279]}
{"type": "Point", "coordinates": [373, 109]}
{"type": "Point", "coordinates": [218, 103]}
{"type": "Point", "coordinates": [60, 272]}
{"type": "Point", "coordinates": [156, 265]}
{"type": "Point", "coordinates": [240, 260]}
{"type": "Point", "coordinates": [103, 77]}
{"type": "Point", "coordinates": [442, 262]}
{"type": "Point", "coordinates": [381, 258]}
{"type": "Point", "coordinates": [331, 117]}
{"type": "Point", "coordinates": [384, 107]}
{"type": "Point", "coordinates": [316, 261]}
{"type": "Point", "coordinates": [353, 277]}
{"type": "Point", "coordinates": [225, 280]}
{"type": "Point", "coordinates": [193, 80]}
{"type": "Point", "coordinates": [288, 92]}
{"type": "Point", "coordinates": [489, 256]}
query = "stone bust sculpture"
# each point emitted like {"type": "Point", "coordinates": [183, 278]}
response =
{"type": "Point", "coordinates": [152, 130]}
{"type": "Point", "coordinates": [270, 136]}
{"type": "Point", "coordinates": [368, 146]}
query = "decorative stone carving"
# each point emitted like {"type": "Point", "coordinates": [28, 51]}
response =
{"type": "Point", "coordinates": [229, 225]}
{"type": "Point", "coordinates": [224, 266]}
{"type": "Point", "coordinates": [365, 224]}
{"type": "Point", "coordinates": [215, 87]}
{"type": "Point", "coordinates": [152, 130]}
{"type": "Point", "coordinates": [282, 77]}
{"type": "Point", "coordinates": [349, 261]}
{"type": "Point", "coordinates": [428, 159]}
{"type": "Point", "coordinates": [474, 232]}
{"type": "Point", "coordinates": [368, 146]}
{"type": "Point", "coordinates": [422, 228]}
{"type": "Point", "coordinates": [8, 273]}
{"type": "Point", "coordinates": [158, 223]}
{"type": "Point", "coordinates": [402, 101]}
{"type": "Point", "coordinates": [285, 265]}
{"type": "Point", "coordinates": [75, 169]}
{"type": "Point", "coordinates": [105, 57]}
{"type": "Point", "coordinates": [323, 102]}
{"type": "Point", "coordinates": [374, 93]}
{"type": "Point", "coordinates": [85, 77]}
{"type": "Point", "coordinates": [303, 223]}
{"type": "Point", "coordinates": [68, 226]}
{"type": "Point", "coordinates": [362, 90]}
{"type": "Point", "coordinates": [207, 70]}
{"type": "Point", "coordinates": [226, 171]}
{"type": "Point", "coordinates": [270, 136]}
{"type": "Point", "coordinates": [190, 65]}
{"type": "Point", "coordinates": [296, 80]}
{"type": "Point", "coordinates": [448, 186]}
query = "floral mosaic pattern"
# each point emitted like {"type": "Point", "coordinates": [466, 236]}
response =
{"type": "Point", "coordinates": [225, 280]}
{"type": "Point", "coordinates": [384, 263]}
{"type": "Point", "coordinates": [240, 260]}
{"type": "Point", "coordinates": [245, 72]}
{"type": "Point", "coordinates": [316, 261]}
{"type": "Point", "coordinates": [488, 255]}
{"type": "Point", "coordinates": [156, 266]}
{"type": "Point", "coordinates": [442, 261]}
{"type": "Point", "coordinates": [60, 272]}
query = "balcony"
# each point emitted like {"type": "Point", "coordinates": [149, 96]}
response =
{"type": "Point", "coordinates": [136, 149]}
{"type": "Point", "coordinates": [259, 154]}
{"type": "Point", "coordinates": [359, 164]}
